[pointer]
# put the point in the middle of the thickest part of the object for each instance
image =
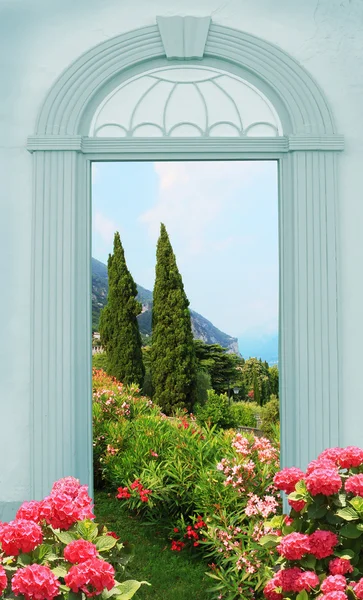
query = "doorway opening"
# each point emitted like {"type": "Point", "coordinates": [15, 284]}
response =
{"type": "Point", "coordinates": [203, 233]}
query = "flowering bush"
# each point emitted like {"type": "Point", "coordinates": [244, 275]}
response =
{"type": "Point", "coordinates": [319, 546]}
{"type": "Point", "coordinates": [53, 548]}
{"type": "Point", "coordinates": [208, 489]}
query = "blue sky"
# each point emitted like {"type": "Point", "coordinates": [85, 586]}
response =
{"type": "Point", "coordinates": [222, 219]}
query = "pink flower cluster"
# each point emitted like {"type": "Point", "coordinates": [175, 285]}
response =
{"type": "Point", "coordinates": [67, 503]}
{"type": "Point", "coordinates": [91, 577]}
{"type": "Point", "coordinates": [290, 580]}
{"type": "Point", "coordinates": [35, 582]}
{"type": "Point", "coordinates": [20, 535]}
{"type": "Point", "coordinates": [340, 566]}
{"type": "Point", "coordinates": [287, 478]}
{"type": "Point", "coordinates": [3, 580]}
{"type": "Point", "coordinates": [79, 551]}
{"type": "Point", "coordinates": [320, 544]}
{"type": "Point", "coordinates": [261, 506]}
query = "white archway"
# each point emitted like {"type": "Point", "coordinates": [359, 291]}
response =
{"type": "Point", "coordinates": [63, 152]}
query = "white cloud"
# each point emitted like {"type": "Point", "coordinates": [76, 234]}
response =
{"type": "Point", "coordinates": [193, 194]}
{"type": "Point", "coordinates": [104, 228]}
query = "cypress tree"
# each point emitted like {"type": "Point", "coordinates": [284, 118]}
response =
{"type": "Point", "coordinates": [119, 328]}
{"type": "Point", "coordinates": [173, 362]}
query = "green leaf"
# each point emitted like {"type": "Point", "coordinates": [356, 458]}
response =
{"type": "Point", "coordinates": [276, 521]}
{"type": "Point", "coordinates": [74, 596]}
{"type": "Point", "coordinates": [347, 554]}
{"type": "Point", "coordinates": [347, 513]}
{"type": "Point", "coordinates": [24, 559]}
{"type": "Point", "coordinates": [340, 501]}
{"type": "Point", "coordinates": [296, 496]}
{"type": "Point", "coordinates": [300, 488]}
{"type": "Point", "coordinates": [316, 512]}
{"type": "Point", "coordinates": [269, 541]}
{"type": "Point", "coordinates": [357, 503]}
{"type": "Point", "coordinates": [332, 518]}
{"type": "Point", "coordinates": [87, 529]}
{"type": "Point", "coordinates": [302, 595]}
{"type": "Point", "coordinates": [350, 531]}
{"type": "Point", "coordinates": [105, 542]}
{"type": "Point", "coordinates": [60, 571]}
{"type": "Point", "coordinates": [129, 588]}
{"type": "Point", "coordinates": [308, 561]}
{"type": "Point", "coordinates": [65, 537]}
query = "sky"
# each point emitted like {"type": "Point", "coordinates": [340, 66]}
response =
{"type": "Point", "coordinates": [222, 220]}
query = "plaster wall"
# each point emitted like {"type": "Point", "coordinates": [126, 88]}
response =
{"type": "Point", "coordinates": [38, 40]}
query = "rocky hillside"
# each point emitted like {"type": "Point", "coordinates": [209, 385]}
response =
{"type": "Point", "coordinates": [202, 328]}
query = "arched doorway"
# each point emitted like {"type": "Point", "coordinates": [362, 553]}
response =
{"type": "Point", "coordinates": [78, 124]}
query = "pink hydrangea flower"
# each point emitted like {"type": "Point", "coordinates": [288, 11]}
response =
{"type": "Point", "coordinates": [286, 479]}
{"type": "Point", "coordinates": [351, 456]}
{"type": "Point", "coordinates": [334, 596]}
{"type": "Point", "coordinates": [340, 566]}
{"type": "Point", "coordinates": [307, 580]}
{"type": "Point", "coordinates": [294, 546]}
{"type": "Point", "coordinates": [3, 580]}
{"type": "Point", "coordinates": [68, 502]}
{"type": "Point", "coordinates": [297, 505]}
{"type": "Point", "coordinates": [354, 484]}
{"type": "Point", "coordinates": [358, 589]}
{"type": "Point", "coordinates": [332, 454]}
{"type": "Point", "coordinates": [269, 590]}
{"type": "Point", "coordinates": [20, 536]}
{"type": "Point", "coordinates": [35, 582]}
{"type": "Point", "coordinates": [79, 550]}
{"type": "Point", "coordinates": [334, 583]}
{"type": "Point", "coordinates": [322, 543]}
{"type": "Point", "coordinates": [320, 463]}
{"type": "Point", "coordinates": [30, 511]}
{"type": "Point", "coordinates": [324, 481]}
{"type": "Point", "coordinates": [91, 577]}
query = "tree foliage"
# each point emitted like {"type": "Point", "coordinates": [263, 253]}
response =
{"type": "Point", "coordinates": [119, 329]}
{"type": "Point", "coordinates": [173, 362]}
{"type": "Point", "coordinates": [220, 365]}
{"type": "Point", "coordinates": [257, 377]}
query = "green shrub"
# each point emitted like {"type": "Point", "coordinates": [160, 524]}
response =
{"type": "Point", "coordinates": [270, 416]}
{"type": "Point", "coordinates": [216, 411]}
{"type": "Point", "coordinates": [204, 383]}
{"type": "Point", "coordinates": [244, 414]}
{"type": "Point", "coordinates": [99, 361]}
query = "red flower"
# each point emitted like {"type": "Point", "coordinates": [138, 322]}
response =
{"type": "Point", "coordinates": [30, 511]}
{"type": "Point", "coordinates": [35, 582]}
{"type": "Point", "coordinates": [113, 534]}
{"type": "Point", "coordinates": [354, 485]}
{"type": "Point", "coordinates": [351, 456]}
{"type": "Point", "coordinates": [79, 550]}
{"type": "Point", "coordinates": [320, 463]}
{"type": "Point", "coordinates": [68, 503]}
{"type": "Point", "coordinates": [176, 530]}
{"type": "Point", "coordinates": [20, 536]}
{"type": "Point", "coordinates": [340, 566]}
{"type": "Point", "coordinates": [91, 577]}
{"type": "Point", "coordinates": [334, 583]}
{"type": "Point", "coordinates": [123, 492]}
{"type": "Point", "coordinates": [3, 580]}
{"type": "Point", "coordinates": [136, 485]}
{"type": "Point", "coordinates": [294, 546]}
{"type": "Point", "coordinates": [177, 546]}
{"type": "Point", "coordinates": [358, 589]}
{"type": "Point", "coordinates": [269, 590]}
{"type": "Point", "coordinates": [334, 596]}
{"type": "Point", "coordinates": [297, 505]}
{"type": "Point", "coordinates": [286, 479]}
{"type": "Point", "coordinates": [322, 543]}
{"type": "Point", "coordinates": [324, 481]}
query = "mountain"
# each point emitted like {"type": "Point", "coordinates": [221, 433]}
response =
{"type": "Point", "coordinates": [202, 328]}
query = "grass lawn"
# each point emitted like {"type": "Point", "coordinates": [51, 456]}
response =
{"type": "Point", "coordinates": [173, 576]}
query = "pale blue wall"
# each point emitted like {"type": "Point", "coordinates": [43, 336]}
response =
{"type": "Point", "coordinates": [39, 39]}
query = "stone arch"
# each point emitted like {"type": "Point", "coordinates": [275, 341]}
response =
{"type": "Point", "coordinates": [63, 152]}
